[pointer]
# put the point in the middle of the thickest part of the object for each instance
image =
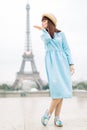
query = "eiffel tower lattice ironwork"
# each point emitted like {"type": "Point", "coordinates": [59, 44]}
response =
{"type": "Point", "coordinates": [28, 57]}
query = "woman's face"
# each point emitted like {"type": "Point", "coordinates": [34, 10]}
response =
{"type": "Point", "coordinates": [45, 24]}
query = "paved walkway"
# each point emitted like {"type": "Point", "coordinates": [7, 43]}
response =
{"type": "Point", "coordinates": [25, 113]}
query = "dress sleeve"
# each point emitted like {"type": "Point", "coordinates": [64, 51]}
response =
{"type": "Point", "coordinates": [45, 36]}
{"type": "Point", "coordinates": [66, 49]}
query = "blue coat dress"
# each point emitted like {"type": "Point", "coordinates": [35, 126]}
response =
{"type": "Point", "coordinates": [57, 63]}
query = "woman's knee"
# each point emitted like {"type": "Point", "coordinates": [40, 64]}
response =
{"type": "Point", "coordinates": [59, 100]}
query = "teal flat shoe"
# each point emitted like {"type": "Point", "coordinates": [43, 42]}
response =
{"type": "Point", "coordinates": [45, 118]}
{"type": "Point", "coordinates": [58, 123]}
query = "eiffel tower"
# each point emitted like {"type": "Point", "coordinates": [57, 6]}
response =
{"type": "Point", "coordinates": [28, 57]}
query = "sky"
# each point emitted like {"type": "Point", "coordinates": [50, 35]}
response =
{"type": "Point", "coordinates": [71, 19]}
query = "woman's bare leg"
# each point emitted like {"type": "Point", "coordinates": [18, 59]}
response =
{"type": "Point", "coordinates": [58, 107]}
{"type": "Point", "coordinates": [57, 120]}
{"type": "Point", "coordinates": [53, 105]}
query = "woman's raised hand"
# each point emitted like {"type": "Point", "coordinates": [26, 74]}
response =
{"type": "Point", "coordinates": [38, 27]}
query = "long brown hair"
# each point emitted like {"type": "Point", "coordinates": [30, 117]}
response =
{"type": "Point", "coordinates": [51, 27]}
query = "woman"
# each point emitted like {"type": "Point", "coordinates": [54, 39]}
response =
{"type": "Point", "coordinates": [59, 66]}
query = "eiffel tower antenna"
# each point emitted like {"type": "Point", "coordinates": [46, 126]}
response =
{"type": "Point", "coordinates": [27, 1]}
{"type": "Point", "coordinates": [28, 57]}
{"type": "Point", "coordinates": [28, 47]}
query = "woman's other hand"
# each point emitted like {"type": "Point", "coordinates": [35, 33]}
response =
{"type": "Point", "coordinates": [72, 69]}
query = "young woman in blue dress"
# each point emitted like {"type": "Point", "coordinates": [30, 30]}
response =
{"type": "Point", "coordinates": [59, 66]}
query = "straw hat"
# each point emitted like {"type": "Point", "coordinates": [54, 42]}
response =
{"type": "Point", "coordinates": [51, 17]}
